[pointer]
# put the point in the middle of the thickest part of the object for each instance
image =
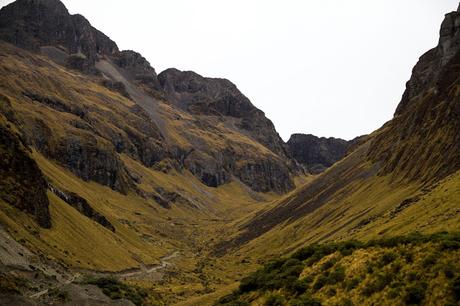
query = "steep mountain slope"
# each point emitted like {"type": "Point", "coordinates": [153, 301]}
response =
{"type": "Point", "coordinates": [410, 164]}
{"type": "Point", "coordinates": [237, 141]}
{"type": "Point", "coordinates": [176, 184]}
{"type": "Point", "coordinates": [103, 171]}
{"type": "Point", "coordinates": [316, 154]}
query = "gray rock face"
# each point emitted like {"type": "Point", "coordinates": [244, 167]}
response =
{"type": "Point", "coordinates": [315, 153]}
{"type": "Point", "coordinates": [31, 24]}
{"type": "Point", "coordinates": [220, 97]}
{"type": "Point", "coordinates": [265, 175]}
{"type": "Point", "coordinates": [22, 183]}
{"type": "Point", "coordinates": [212, 97]}
{"type": "Point", "coordinates": [138, 68]}
{"type": "Point", "coordinates": [95, 158]}
{"type": "Point", "coordinates": [91, 153]}
{"type": "Point", "coordinates": [432, 64]}
{"type": "Point", "coordinates": [428, 114]}
{"type": "Point", "coordinates": [85, 157]}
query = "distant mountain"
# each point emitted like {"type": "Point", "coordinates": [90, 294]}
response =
{"type": "Point", "coordinates": [316, 153]}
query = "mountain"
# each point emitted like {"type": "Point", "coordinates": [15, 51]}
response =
{"type": "Point", "coordinates": [107, 166]}
{"type": "Point", "coordinates": [204, 125]}
{"type": "Point", "coordinates": [121, 186]}
{"type": "Point", "coordinates": [316, 153]}
{"type": "Point", "coordinates": [402, 178]}
{"type": "Point", "coordinates": [398, 179]}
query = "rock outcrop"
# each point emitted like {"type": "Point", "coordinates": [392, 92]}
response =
{"type": "Point", "coordinates": [428, 114]}
{"type": "Point", "coordinates": [22, 183]}
{"type": "Point", "coordinates": [218, 100]}
{"type": "Point", "coordinates": [316, 154]}
{"type": "Point", "coordinates": [90, 143]}
{"type": "Point", "coordinates": [220, 97]}
{"type": "Point", "coordinates": [82, 206]}
{"type": "Point", "coordinates": [33, 24]}
{"type": "Point", "coordinates": [419, 147]}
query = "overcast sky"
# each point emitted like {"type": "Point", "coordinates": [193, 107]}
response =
{"type": "Point", "coordinates": [326, 67]}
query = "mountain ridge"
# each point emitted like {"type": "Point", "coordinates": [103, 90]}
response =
{"type": "Point", "coordinates": [130, 74]}
{"type": "Point", "coordinates": [108, 168]}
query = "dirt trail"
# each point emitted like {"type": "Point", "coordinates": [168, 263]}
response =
{"type": "Point", "coordinates": [70, 280]}
{"type": "Point", "coordinates": [144, 270]}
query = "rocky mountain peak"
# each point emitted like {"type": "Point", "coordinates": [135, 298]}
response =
{"type": "Point", "coordinates": [203, 95]}
{"type": "Point", "coordinates": [47, 26]}
{"type": "Point", "coordinates": [431, 64]}
{"type": "Point", "coordinates": [219, 97]}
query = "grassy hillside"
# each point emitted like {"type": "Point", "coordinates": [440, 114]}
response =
{"type": "Point", "coordinates": [402, 270]}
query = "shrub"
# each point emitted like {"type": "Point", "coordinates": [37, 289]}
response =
{"type": "Point", "coordinates": [430, 260]}
{"type": "Point", "coordinates": [393, 293]}
{"type": "Point", "coordinates": [387, 258]}
{"type": "Point", "coordinates": [347, 247]}
{"type": "Point", "coordinates": [449, 245]}
{"type": "Point", "coordinates": [320, 282]}
{"type": "Point", "coordinates": [299, 286]}
{"type": "Point", "coordinates": [231, 300]}
{"type": "Point", "coordinates": [448, 269]}
{"type": "Point", "coordinates": [337, 275]}
{"type": "Point", "coordinates": [275, 300]}
{"type": "Point", "coordinates": [456, 288]}
{"type": "Point", "coordinates": [328, 264]}
{"type": "Point", "coordinates": [305, 300]}
{"type": "Point", "coordinates": [379, 283]}
{"type": "Point", "coordinates": [352, 283]}
{"type": "Point", "coordinates": [415, 293]}
{"type": "Point", "coordinates": [331, 292]}
{"type": "Point", "coordinates": [346, 302]}
{"type": "Point", "coordinates": [413, 276]}
{"type": "Point", "coordinates": [118, 290]}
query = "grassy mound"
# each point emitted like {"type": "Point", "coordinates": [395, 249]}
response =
{"type": "Point", "coordinates": [411, 270]}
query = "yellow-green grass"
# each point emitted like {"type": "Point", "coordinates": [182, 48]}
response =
{"type": "Point", "coordinates": [366, 213]}
{"type": "Point", "coordinates": [413, 269]}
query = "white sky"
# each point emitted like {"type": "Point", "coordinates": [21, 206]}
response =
{"type": "Point", "coordinates": [326, 67]}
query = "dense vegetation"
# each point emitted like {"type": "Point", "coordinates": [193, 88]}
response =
{"type": "Point", "coordinates": [115, 289]}
{"type": "Point", "coordinates": [412, 270]}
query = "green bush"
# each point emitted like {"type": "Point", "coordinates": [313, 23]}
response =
{"type": "Point", "coordinates": [430, 260]}
{"type": "Point", "coordinates": [328, 264]}
{"type": "Point", "coordinates": [299, 286]}
{"type": "Point", "coordinates": [387, 258]}
{"type": "Point", "coordinates": [284, 273]}
{"type": "Point", "coordinates": [377, 284]}
{"type": "Point", "coordinates": [275, 300]}
{"type": "Point", "coordinates": [320, 282]}
{"type": "Point", "coordinates": [336, 276]}
{"type": "Point", "coordinates": [415, 293]}
{"type": "Point", "coordinates": [115, 289]}
{"type": "Point", "coordinates": [456, 288]}
{"type": "Point", "coordinates": [352, 283]}
{"type": "Point", "coordinates": [305, 300]}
